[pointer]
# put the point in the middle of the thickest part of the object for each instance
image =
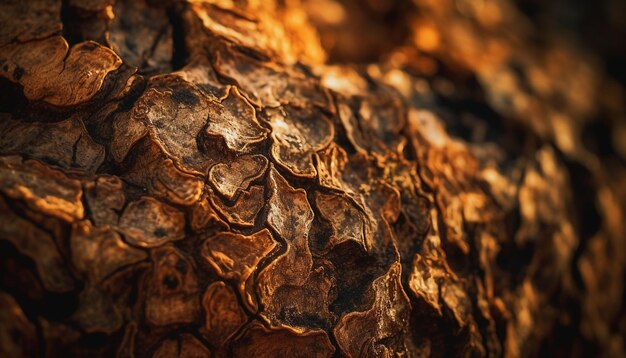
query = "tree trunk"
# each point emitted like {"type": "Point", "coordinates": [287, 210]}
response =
{"type": "Point", "coordinates": [215, 178]}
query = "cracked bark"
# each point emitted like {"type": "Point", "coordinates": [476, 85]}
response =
{"type": "Point", "coordinates": [204, 178]}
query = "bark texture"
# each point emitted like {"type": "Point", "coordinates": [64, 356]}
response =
{"type": "Point", "coordinates": [193, 178]}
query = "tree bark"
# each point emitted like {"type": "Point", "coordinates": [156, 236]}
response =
{"type": "Point", "coordinates": [216, 178]}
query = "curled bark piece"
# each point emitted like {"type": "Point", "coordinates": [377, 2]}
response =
{"type": "Point", "coordinates": [268, 85]}
{"type": "Point", "coordinates": [330, 163]}
{"type": "Point", "coordinates": [98, 252]}
{"type": "Point", "coordinates": [234, 120]}
{"type": "Point", "coordinates": [423, 282]}
{"type": "Point", "coordinates": [347, 221]}
{"type": "Point", "coordinates": [41, 188]}
{"type": "Point", "coordinates": [204, 217]}
{"type": "Point", "coordinates": [236, 257]}
{"type": "Point", "coordinates": [161, 177]}
{"type": "Point", "coordinates": [245, 209]}
{"type": "Point", "coordinates": [230, 177]}
{"type": "Point", "coordinates": [457, 301]}
{"type": "Point", "coordinates": [350, 124]}
{"type": "Point", "coordinates": [174, 113]}
{"type": "Point", "coordinates": [66, 144]}
{"type": "Point", "coordinates": [305, 306]}
{"type": "Point", "coordinates": [296, 135]}
{"type": "Point", "coordinates": [247, 72]}
{"type": "Point", "coordinates": [223, 315]}
{"type": "Point", "coordinates": [382, 118]}
{"type": "Point", "coordinates": [229, 22]}
{"type": "Point", "coordinates": [372, 124]}
{"type": "Point", "coordinates": [356, 335]}
{"type": "Point", "coordinates": [37, 245]}
{"type": "Point", "coordinates": [257, 25]}
{"type": "Point", "coordinates": [105, 197]}
{"type": "Point", "coordinates": [148, 222]}
{"type": "Point", "coordinates": [176, 186]}
{"type": "Point", "coordinates": [289, 211]}
{"type": "Point", "coordinates": [51, 74]}
{"type": "Point", "coordinates": [291, 216]}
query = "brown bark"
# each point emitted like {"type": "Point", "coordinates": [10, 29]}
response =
{"type": "Point", "coordinates": [195, 179]}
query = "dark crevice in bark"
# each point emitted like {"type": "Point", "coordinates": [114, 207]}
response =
{"type": "Point", "coordinates": [585, 213]}
{"type": "Point", "coordinates": [68, 20]}
{"type": "Point", "coordinates": [82, 25]}
{"type": "Point", "coordinates": [12, 97]}
{"type": "Point", "coordinates": [180, 53]}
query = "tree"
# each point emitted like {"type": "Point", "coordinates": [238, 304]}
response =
{"type": "Point", "coordinates": [195, 178]}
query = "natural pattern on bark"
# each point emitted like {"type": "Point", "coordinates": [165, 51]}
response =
{"type": "Point", "coordinates": [188, 178]}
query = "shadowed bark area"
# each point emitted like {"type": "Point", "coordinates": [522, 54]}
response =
{"type": "Point", "coordinates": [311, 178]}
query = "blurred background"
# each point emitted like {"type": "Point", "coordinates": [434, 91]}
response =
{"type": "Point", "coordinates": [493, 69]}
{"type": "Point", "coordinates": [520, 74]}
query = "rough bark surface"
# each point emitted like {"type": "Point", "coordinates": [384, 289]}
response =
{"type": "Point", "coordinates": [194, 179]}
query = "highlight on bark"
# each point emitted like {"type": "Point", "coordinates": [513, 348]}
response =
{"type": "Point", "coordinates": [305, 178]}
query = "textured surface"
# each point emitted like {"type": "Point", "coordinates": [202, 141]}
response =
{"type": "Point", "coordinates": [194, 179]}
